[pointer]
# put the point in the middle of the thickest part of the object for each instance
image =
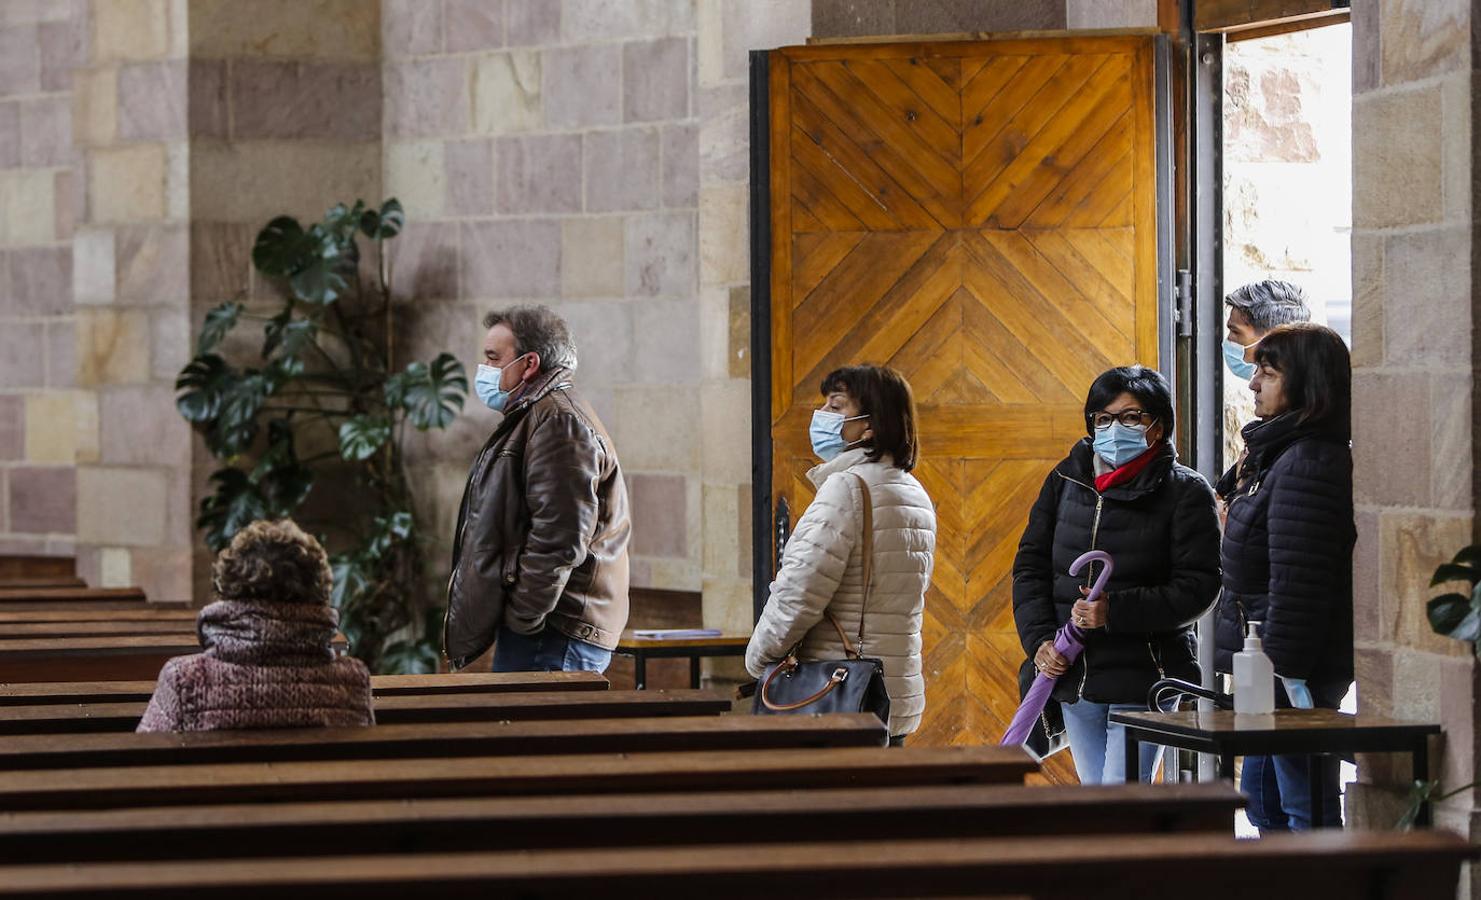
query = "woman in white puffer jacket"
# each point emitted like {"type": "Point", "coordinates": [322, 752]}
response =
{"type": "Point", "coordinates": [865, 429]}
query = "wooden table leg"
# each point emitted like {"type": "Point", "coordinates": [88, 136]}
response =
{"type": "Point", "coordinates": [694, 672]}
{"type": "Point", "coordinates": [1133, 757]}
{"type": "Point", "coordinates": [1317, 789]}
{"type": "Point", "coordinates": [640, 670]}
{"type": "Point", "coordinates": [1226, 766]}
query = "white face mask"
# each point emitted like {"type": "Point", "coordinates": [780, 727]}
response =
{"type": "Point", "coordinates": [487, 383]}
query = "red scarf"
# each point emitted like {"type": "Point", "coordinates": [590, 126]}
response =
{"type": "Point", "coordinates": [1127, 472]}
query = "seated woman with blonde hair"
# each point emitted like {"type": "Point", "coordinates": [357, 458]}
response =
{"type": "Point", "coordinates": [267, 661]}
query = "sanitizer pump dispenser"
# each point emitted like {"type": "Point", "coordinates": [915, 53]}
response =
{"type": "Point", "coordinates": [1254, 677]}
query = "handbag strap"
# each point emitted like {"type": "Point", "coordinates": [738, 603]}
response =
{"type": "Point", "coordinates": [857, 650]}
{"type": "Point", "coordinates": [840, 674]}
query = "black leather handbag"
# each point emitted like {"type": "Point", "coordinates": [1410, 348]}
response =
{"type": "Point", "coordinates": [854, 684]}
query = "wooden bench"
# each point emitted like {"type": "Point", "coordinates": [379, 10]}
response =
{"type": "Point", "coordinates": [67, 718]}
{"type": "Point", "coordinates": [97, 627]}
{"type": "Point", "coordinates": [495, 738]}
{"type": "Point", "coordinates": [25, 571]}
{"type": "Point", "coordinates": [84, 596]}
{"type": "Point", "coordinates": [1146, 867]}
{"type": "Point", "coordinates": [44, 693]}
{"type": "Point", "coordinates": [91, 659]}
{"type": "Point", "coordinates": [135, 612]}
{"type": "Point", "coordinates": [374, 827]}
{"type": "Point", "coordinates": [195, 785]}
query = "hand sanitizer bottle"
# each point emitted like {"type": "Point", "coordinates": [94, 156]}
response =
{"type": "Point", "coordinates": [1254, 677]}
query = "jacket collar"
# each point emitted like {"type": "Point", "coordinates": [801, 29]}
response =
{"type": "Point", "coordinates": [840, 463]}
{"type": "Point", "coordinates": [540, 388]}
{"type": "Point", "coordinates": [1079, 466]}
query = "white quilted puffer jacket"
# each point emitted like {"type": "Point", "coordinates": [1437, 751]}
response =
{"type": "Point", "coordinates": [823, 569]}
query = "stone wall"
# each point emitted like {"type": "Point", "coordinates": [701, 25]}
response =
{"type": "Point", "coordinates": [46, 423]}
{"type": "Point", "coordinates": [1414, 358]}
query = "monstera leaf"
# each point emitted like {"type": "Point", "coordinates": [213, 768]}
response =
{"type": "Point", "coordinates": [219, 321]}
{"type": "Point", "coordinates": [235, 504]}
{"type": "Point", "coordinates": [431, 395]}
{"type": "Point", "coordinates": [203, 382]}
{"type": "Point", "coordinates": [282, 248]}
{"type": "Point", "coordinates": [362, 436]}
{"type": "Point", "coordinates": [1458, 615]}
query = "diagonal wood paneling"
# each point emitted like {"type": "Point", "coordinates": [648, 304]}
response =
{"type": "Point", "coordinates": [977, 215]}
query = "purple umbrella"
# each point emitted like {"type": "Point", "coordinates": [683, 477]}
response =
{"type": "Point", "coordinates": [1068, 641]}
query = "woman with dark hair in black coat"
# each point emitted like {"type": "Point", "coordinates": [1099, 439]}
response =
{"type": "Point", "coordinates": [1121, 490]}
{"type": "Point", "coordinates": [1287, 553]}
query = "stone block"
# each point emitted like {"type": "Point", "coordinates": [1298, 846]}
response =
{"type": "Point", "coordinates": [474, 25]}
{"type": "Point", "coordinates": [1100, 14]}
{"type": "Point", "coordinates": [61, 354]}
{"type": "Point", "coordinates": [64, 213]}
{"type": "Point", "coordinates": [538, 174]}
{"type": "Point", "coordinates": [660, 526]}
{"type": "Point", "coordinates": [40, 281]}
{"type": "Point", "coordinates": [1367, 300]}
{"type": "Point", "coordinates": [140, 426]}
{"type": "Point", "coordinates": [424, 261]}
{"type": "Point", "coordinates": [153, 264]}
{"type": "Point", "coordinates": [622, 170]}
{"type": "Point", "coordinates": [583, 86]}
{"type": "Point", "coordinates": [641, 446]}
{"type": "Point", "coordinates": [1369, 619]}
{"type": "Point", "coordinates": [1416, 685]}
{"type": "Point", "coordinates": [853, 18]}
{"type": "Point", "coordinates": [747, 25]}
{"type": "Point", "coordinates": [721, 542]}
{"type": "Point", "coordinates": [666, 339]}
{"type": "Point", "coordinates": [415, 175]}
{"type": "Point", "coordinates": [177, 181]}
{"type": "Point", "coordinates": [112, 347]}
{"type": "Point", "coordinates": [411, 27]}
{"type": "Point", "coordinates": [114, 569]}
{"type": "Point", "coordinates": [655, 80]}
{"type": "Point", "coordinates": [121, 506]}
{"type": "Point", "coordinates": [592, 257]}
{"type": "Point", "coordinates": [165, 573]}
{"type": "Point", "coordinates": [153, 101]}
{"type": "Point", "coordinates": [1367, 57]}
{"type": "Point", "coordinates": [296, 100]}
{"type": "Point", "coordinates": [470, 177]}
{"type": "Point", "coordinates": [126, 30]}
{"type": "Point", "coordinates": [1391, 421]}
{"type": "Point", "coordinates": [46, 132]}
{"type": "Point", "coordinates": [728, 607]}
{"type": "Point", "coordinates": [253, 181]}
{"type": "Point", "coordinates": [289, 29]}
{"type": "Point", "coordinates": [61, 47]}
{"type": "Point", "coordinates": [724, 248]}
{"type": "Point", "coordinates": [43, 500]}
{"type": "Point", "coordinates": [428, 97]}
{"type": "Point", "coordinates": [1426, 306]}
{"type": "Point", "coordinates": [681, 166]}
{"type": "Point", "coordinates": [12, 426]}
{"type": "Point", "coordinates": [1458, 685]}
{"type": "Point", "coordinates": [726, 407]}
{"type": "Point", "coordinates": [20, 64]}
{"type": "Point", "coordinates": [584, 20]}
{"type": "Point", "coordinates": [1455, 146]}
{"type": "Point", "coordinates": [95, 107]}
{"type": "Point", "coordinates": [1424, 38]}
{"type": "Point", "coordinates": [1397, 171]}
{"type": "Point", "coordinates": [53, 426]}
{"type": "Point", "coordinates": [603, 332]}
{"type": "Point", "coordinates": [220, 260]}
{"type": "Point", "coordinates": [28, 203]}
{"type": "Point", "coordinates": [1411, 546]}
{"type": "Point", "coordinates": [1451, 441]}
{"type": "Point", "coordinates": [530, 22]}
{"type": "Point", "coordinates": [506, 93]}
{"type": "Point", "coordinates": [206, 99]}
{"type": "Point", "coordinates": [510, 259]}
{"type": "Point", "coordinates": [22, 364]}
{"type": "Point", "coordinates": [171, 346]}
{"type": "Point", "coordinates": [714, 333]}
{"type": "Point", "coordinates": [739, 355]}
{"type": "Point", "coordinates": [128, 183]}
{"type": "Point", "coordinates": [10, 135]}
{"type": "Point", "coordinates": [660, 250]}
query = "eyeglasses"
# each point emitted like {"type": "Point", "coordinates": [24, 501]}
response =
{"type": "Point", "coordinates": [1131, 418]}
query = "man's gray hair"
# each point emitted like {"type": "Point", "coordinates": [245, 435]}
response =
{"type": "Point", "coordinates": [537, 329]}
{"type": "Point", "coordinates": [1270, 303]}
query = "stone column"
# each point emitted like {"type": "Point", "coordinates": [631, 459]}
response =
{"type": "Point", "coordinates": [1414, 363]}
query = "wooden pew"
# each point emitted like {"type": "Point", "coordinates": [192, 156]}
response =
{"type": "Point", "coordinates": [403, 709]}
{"type": "Point", "coordinates": [135, 612]}
{"type": "Point", "coordinates": [91, 659]}
{"type": "Point", "coordinates": [495, 738]}
{"type": "Point", "coordinates": [96, 627]}
{"type": "Point", "coordinates": [1147, 867]}
{"type": "Point", "coordinates": [79, 597]}
{"type": "Point", "coordinates": [374, 827]}
{"type": "Point", "coordinates": [195, 785]}
{"type": "Point", "coordinates": [44, 693]}
{"type": "Point", "coordinates": [25, 571]}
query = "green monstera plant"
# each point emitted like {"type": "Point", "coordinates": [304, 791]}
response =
{"type": "Point", "coordinates": [322, 403]}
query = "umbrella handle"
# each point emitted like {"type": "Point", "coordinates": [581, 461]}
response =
{"type": "Point", "coordinates": [1085, 559]}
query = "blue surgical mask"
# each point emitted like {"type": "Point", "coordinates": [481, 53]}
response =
{"type": "Point", "coordinates": [1234, 359]}
{"type": "Point", "coordinates": [1120, 444]}
{"type": "Point", "coordinates": [826, 432]}
{"type": "Point", "coordinates": [486, 383]}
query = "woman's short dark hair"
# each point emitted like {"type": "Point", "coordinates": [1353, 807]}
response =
{"type": "Point", "coordinates": [274, 562]}
{"type": "Point", "coordinates": [1146, 385]}
{"type": "Point", "coordinates": [1316, 373]}
{"type": "Point", "coordinates": [885, 397]}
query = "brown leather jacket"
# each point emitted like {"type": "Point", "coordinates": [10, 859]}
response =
{"type": "Point", "coordinates": [543, 530]}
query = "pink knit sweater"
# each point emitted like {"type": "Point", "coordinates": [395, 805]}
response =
{"type": "Point", "coordinates": [265, 665]}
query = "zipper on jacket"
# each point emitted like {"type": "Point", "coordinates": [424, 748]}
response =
{"type": "Point", "coordinates": [1100, 502]}
{"type": "Point", "coordinates": [1155, 661]}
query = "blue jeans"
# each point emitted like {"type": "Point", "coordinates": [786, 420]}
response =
{"type": "Point", "coordinates": [1099, 747]}
{"type": "Point", "coordinates": [547, 650]}
{"type": "Point", "coordinates": [1279, 792]}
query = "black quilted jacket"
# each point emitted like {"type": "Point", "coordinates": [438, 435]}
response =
{"type": "Point", "coordinates": [1287, 554]}
{"type": "Point", "coordinates": [1162, 531]}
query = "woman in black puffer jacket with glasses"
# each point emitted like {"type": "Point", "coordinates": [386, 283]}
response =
{"type": "Point", "coordinates": [1287, 552]}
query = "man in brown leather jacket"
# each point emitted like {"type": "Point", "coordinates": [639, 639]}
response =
{"type": "Point", "coordinates": [540, 559]}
